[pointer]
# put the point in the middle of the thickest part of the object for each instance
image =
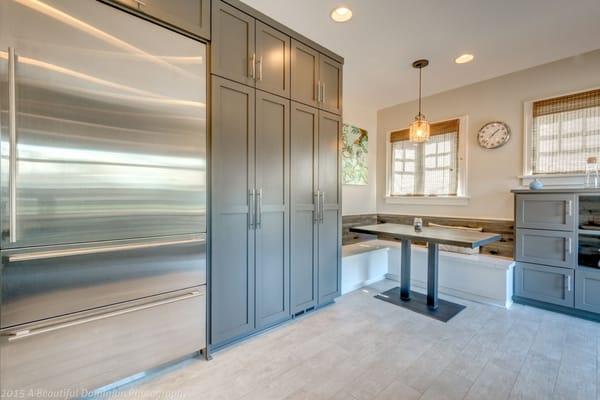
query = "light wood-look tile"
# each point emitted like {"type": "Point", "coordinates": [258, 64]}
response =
{"type": "Point", "coordinates": [362, 348]}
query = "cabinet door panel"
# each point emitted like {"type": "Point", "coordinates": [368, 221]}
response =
{"type": "Point", "coordinates": [546, 211]}
{"type": "Point", "coordinates": [232, 272]}
{"type": "Point", "coordinates": [544, 283]}
{"type": "Point", "coordinates": [546, 247]}
{"type": "Point", "coordinates": [272, 233]}
{"type": "Point", "coordinates": [232, 44]}
{"type": "Point", "coordinates": [273, 60]}
{"type": "Point", "coordinates": [330, 128]}
{"type": "Point", "coordinates": [303, 136]}
{"type": "Point", "coordinates": [330, 75]}
{"type": "Point", "coordinates": [587, 289]}
{"type": "Point", "coordinates": [189, 15]}
{"type": "Point", "coordinates": [305, 73]}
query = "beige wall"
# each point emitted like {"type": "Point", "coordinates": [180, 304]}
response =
{"type": "Point", "coordinates": [491, 173]}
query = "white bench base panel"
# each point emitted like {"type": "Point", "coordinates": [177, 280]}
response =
{"type": "Point", "coordinates": [482, 278]}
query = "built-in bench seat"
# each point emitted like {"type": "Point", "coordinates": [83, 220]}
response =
{"type": "Point", "coordinates": [479, 277]}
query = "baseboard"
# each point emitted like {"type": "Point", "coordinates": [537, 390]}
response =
{"type": "Point", "coordinates": [421, 287]}
{"type": "Point", "coordinates": [560, 309]}
{"type": "Point", "coordinates": [359, 285]}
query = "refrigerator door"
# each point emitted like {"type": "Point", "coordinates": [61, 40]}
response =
{"type": "Point", "coordinates": [104, 134]}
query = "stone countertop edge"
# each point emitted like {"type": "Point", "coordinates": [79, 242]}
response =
{"type": "Point", "coordinates": [558, 190]}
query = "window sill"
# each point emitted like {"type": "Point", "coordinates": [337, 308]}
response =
{"type": "Point", "coordinates": [555, 179]}
{"type": "Point", "coordinates": [430, 201]}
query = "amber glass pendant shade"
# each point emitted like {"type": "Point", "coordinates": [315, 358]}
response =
{"type": "Point", "coordinates": [419, 130]}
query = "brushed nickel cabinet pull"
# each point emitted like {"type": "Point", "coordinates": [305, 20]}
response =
{"type": "Point", "coordinates": [322, 208]}
{"type": "Point", "coordinates": [253, 66]}
{"type": "Point", "coordinates": [251, 208]}
{"type": "Point", "coordinates": [317, 206]}
{"type": "Point", "coordinates": [259, 196]}
{"type": "Point", "coordinates": [260, 68]}
{"type": "Point", "coordinates": [318, 93]}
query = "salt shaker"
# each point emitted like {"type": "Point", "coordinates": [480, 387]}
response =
{"type": "Point", "coordinates": [418, 224]}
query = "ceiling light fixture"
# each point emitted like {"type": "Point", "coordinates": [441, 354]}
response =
{"type": "Point", "coordinates": [419, 130]}
{"type": "Point", "coordinates": [465, 58]}
{"type": "Point", "coordinates": [341, 14]}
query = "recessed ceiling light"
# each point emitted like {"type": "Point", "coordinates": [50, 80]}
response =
{"type": "Point", "coordinates": [341, 14]}
{"type": "Point", "coordinates": [465, 58]}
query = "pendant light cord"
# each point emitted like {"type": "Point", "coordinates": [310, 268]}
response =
{"type": "Point", "coordinates": [420, 71]}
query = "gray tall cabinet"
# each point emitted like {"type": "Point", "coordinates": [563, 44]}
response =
{"type": "Point", "coordinates": [275, 180]}
{"type": "Point", "coordinates": [315, 206]}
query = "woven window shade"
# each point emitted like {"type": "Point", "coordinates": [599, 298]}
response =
{"type": "Point", "coordinates": [566, 131]}
{"type": "Point", "coordinates": [439, 128]}
{"type": "Point", "coordinates": [570, 102]}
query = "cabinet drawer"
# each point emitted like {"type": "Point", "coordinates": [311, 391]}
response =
{"type": "Point", "coordinates": [587, 289]}
{"type": "Point", "coordinates": [544, 283]}
{"type": "Point", "coordinates": [546, 211]}
{"type": "Point", "coordinates": [106, 346]}
{"type": "Point", "coordinates": [545, 247]}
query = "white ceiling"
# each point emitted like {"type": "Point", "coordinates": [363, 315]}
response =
{"type": "Point", "coordinates": [385, 36]}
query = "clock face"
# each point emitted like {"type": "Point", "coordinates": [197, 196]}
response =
{"type": "Point", "coordinates": [493, 134]}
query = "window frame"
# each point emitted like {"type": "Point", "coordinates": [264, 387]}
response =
{"type": "Point", "coordinates": [461, 197]}
{"type": "Point", "coordinates": [566, 179]}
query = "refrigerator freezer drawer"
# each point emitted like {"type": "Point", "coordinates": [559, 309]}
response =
{"type": "Point", "coordinates": [89, 352]}
{"type": "Point", "coordinates": [38, 285]}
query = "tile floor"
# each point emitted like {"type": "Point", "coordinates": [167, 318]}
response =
{"type": "Point", "coordinates": [362, 348]}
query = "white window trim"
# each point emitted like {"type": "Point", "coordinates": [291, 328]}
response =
{"type": "Point", "coordinates": [574, 179]}
{"type": "Point", "coordinates": [461, 198]}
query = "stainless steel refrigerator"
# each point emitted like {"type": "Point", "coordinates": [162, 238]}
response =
{"type": "Point", "coordinates": [103, 196]}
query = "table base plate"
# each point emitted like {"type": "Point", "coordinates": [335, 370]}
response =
{"type": "Point", "coordinates": [418, 303]}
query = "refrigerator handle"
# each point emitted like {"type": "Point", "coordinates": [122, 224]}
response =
{"type": "Point", "coordinates": [12, 162]}
{"type": "Point", "coordinates": [43, 255]}
{"type": "Point", "coordinates": [25, 333]}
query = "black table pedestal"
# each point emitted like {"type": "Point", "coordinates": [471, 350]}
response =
{"type": "Point", "coordinates": [429, 304]}
{"type": "Point", "coordinates": [405, 270]}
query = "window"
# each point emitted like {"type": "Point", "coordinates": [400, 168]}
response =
{"type": "Point", "coordinates": [563, 132]}
{"type": "Point", "coordinates": [429, 168]}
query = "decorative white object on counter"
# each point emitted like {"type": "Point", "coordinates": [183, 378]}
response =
{"type": "Point", "coordinates": [592, 180]}
{"type": "Point", "coordinates": [536, 184]}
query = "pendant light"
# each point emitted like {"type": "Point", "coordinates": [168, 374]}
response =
{"type": "Point", "coordinates": [419, 130]}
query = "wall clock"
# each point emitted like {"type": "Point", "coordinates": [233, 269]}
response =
{"type": "Point", "coordinates": [493, 135]}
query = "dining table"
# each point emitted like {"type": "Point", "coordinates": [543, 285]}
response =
{"type": "Point", "coordinates": [403, 296]}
